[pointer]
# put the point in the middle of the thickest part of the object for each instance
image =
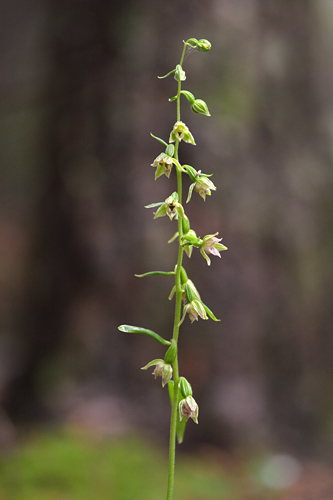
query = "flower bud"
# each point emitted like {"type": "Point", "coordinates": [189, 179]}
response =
{"type": "Point", "coordinates": [171, 353]}
{"type": "Point", "coordinates": [203, 45]}
{"type": "Point", "coordinates": [199, 106]}
{"type": "Point", "coordinates": [180, 75]}
{"type": "Point", "coordinates": [185, 224]}
{"type": "Point", "coordinates": [188, 408]}
{"type": "Point", "coordinates": [183, 276]}
{"type": "Point", "coordinates": [185, 387]}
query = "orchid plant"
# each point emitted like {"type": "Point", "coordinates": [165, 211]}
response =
{"type": "Point", "coordinates": [187, 298]}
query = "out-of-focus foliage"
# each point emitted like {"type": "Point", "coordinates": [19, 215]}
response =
{"type": "Point", "coordinates": [64, 466]}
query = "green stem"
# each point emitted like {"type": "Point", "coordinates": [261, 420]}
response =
{"type": "Point", "coordinates": [178, 308]}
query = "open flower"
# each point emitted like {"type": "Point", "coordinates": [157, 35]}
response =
{"type": "Point", "coordinates": [164, 163]}
{"type": "Point", "coordinates": [194, 309]}
{"type": "Point", "coordinates": [188, 408]}
{"type": "Point", "coordinates": [210, 244]}
{"type": "Point", "coordinates": [180, 132]}
{"type": "Point", "coordinates": [204, 186]}
{"type": "Point", "coordinates": [171, 207]}
{"type": "Point", "coordinates": [162, 369]}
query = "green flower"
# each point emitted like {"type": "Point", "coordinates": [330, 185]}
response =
{"type": "Point", "coordinates": [204, 186]}
{"type": "Point", "coordinates": [164, 163]}
{"type": "Point", "coordinates": [171, 207]}
{"type": "Point", "coordinates": [181, 132]}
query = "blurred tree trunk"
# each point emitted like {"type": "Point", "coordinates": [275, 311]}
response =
{"type": "Point", "coordinates": [289, 144]}
{"type": "Point", "coordinates": [63, 263]}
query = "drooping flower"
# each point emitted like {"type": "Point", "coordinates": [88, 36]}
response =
{"type": "Point", "coordinates": [162, 369]}
{"type": "Point", "coordinates": [189, 408]}
{"type": "Point", "coordinates": [194, 310]}
{"type": "Point", "coordinates": [210, 244]}
{"type": "Point", "coordinates": [204, 186]}
{"type": "Point", "coordinates": [180, 132]}
{"type": "Point", "coordinates": [164, 163]}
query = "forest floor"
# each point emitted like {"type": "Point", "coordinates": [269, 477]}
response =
{"type": "Point", "coordinates": [72, 464]}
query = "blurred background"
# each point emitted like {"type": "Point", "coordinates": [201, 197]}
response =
{"type": "Point", "coordinates": [79, 96]}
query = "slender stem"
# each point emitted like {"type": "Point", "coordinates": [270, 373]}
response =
{"type": "Point", "coordinates": [178, 307]}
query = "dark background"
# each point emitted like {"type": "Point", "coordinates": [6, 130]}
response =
{"type": "Point", "coordinates": [79, 98]}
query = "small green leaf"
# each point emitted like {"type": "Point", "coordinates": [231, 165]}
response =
{"type": "Point", "coordinates": [145, 331]}
{"type": "Point", "coordinates": [173, 98]}
{"type": "Point", "coordinates": [181, 424]}
{"type": "Point", "coordinates": [191, 172]}
{"type": "Point", "coordinates": [171, 390]}
{"type": "Point", "coordinates": [193, 41]}
{"type": "Point", "coordinates": [180, 429]}
{"type": "Point", "coordinates": [152, 363]}
{"type": "Point", "coordinates": [175, 236]}
{"type": "Point", "coordinates": [172, 293]}
{"type": "Point", "coordinates": [156, 273]}
{"type": "Point", "coordinates": [153, 205]}
{"type": "Point", "coordinates": [190, 191]}
{"type": "Point", "coordinates": [170, 73]}
{"type": "Point", "coordinates": [159, 139]}
{"type": "Point", "coordinates": [189, 96]}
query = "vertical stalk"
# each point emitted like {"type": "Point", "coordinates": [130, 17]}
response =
{"type": "Point", "coordinates": [178, 306]}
